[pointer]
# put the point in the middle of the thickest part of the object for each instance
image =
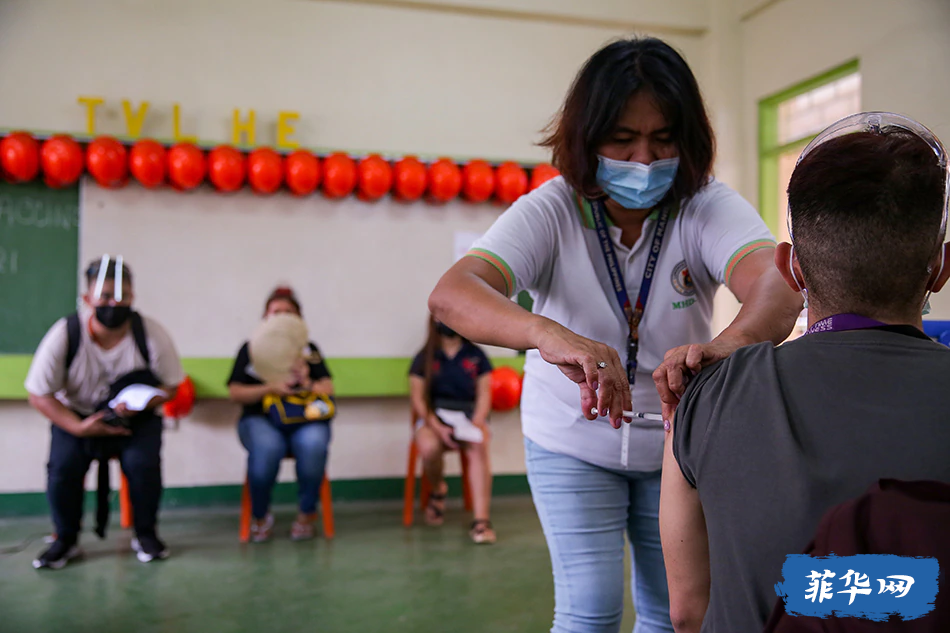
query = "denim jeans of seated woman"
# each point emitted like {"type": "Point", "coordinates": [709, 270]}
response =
{"type": "Point", "coordinates": [585, 510]}
{"type": "Point", "coordinates": [267, 445]}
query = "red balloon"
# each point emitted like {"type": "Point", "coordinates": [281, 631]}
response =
{"type": "Point", "coordinates": [186, 166]}
{"type": "Point", "coordinates": [339, 175]}
{"type": "Point", "coordinates": [478, 181]}
{"type": "Point", "coordinates": [61, 158]}
{"type": "Point", "coordinates": [226, 168]}
{"type": "Point", "coordinates": [505, 388]}
{"type": "Point", "coordinates": [107, 162]}
{"type": "Point", "coordinates": [19, 157]}
{"type": "Point", "coordinates": [511, 182]}
{"type": "Point", "coordinates": [265, 170]}
{"type": "Point", "coordinates": [147, 163]}
{"type": "Point", "coordinates": [303, 172]}
{"type": "Point", "coordinates": [541, 174]}
{"type": "Point", "coordinates": [445, 180]}
{"type": "Point", "coordinates": [409, 175]}
{"type": "Point", "coordinates": [184, 400]}
{"type": "Point", "coordinates": [375, 177]}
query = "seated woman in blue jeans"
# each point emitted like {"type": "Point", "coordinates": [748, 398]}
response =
{"type": "Point", "coordinates": [267, 444]}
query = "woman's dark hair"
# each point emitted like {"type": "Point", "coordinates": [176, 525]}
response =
{"type": "Point", "coordinates": [283, 293]}
{"type": "Point", "coordinates": [597, 99]}
{"type": "Point", "coordinates": [433, 343]}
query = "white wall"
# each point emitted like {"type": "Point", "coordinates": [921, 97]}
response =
{"type": "Point", "coordinates": [478, 80]}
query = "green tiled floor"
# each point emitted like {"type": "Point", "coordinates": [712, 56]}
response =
{"type": "Point", "coordinates": [375, 576]}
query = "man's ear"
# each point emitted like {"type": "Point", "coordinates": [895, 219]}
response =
{"type": "Point", "coordinates": [941, 270]}
{"type": "Point", "coordinates": [793, 277]}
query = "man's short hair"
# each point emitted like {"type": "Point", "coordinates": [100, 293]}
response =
{"type": "Point", "coordinates": [865, 212]}
{"type": "Point", "coordinates": [92, 272]}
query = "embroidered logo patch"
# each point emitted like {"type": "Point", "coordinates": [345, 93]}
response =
{"type": "Point", "coordinates": [682, 281]}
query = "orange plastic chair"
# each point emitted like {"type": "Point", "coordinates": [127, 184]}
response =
{"type": "Point", "coordinates": [425, 486]}
{"type": "Point", "coordinates": [326, 510]}
{"type": "Point", "coordinates": [125, 504]}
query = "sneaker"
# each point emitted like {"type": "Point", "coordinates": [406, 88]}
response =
{"type": "Point", "coordinates": [148, 548]}
{"type": "Point", "coordinates": [262, 531]}
{"type": "Point", "coordinates": [57, 555]}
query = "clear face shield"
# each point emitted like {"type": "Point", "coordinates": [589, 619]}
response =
{"type": "Point", "coordinates": [882, 123]}
{"type": "Point", "coordinates": [101, 277]}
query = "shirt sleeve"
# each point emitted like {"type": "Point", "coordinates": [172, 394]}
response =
{"type": "Point", "coordinates": [165, 359]}
{"type": "Point", "coordinates": [318, 368]}
{"type": "Point", "coordinates": [418, 365]}
{"type": "Point", "coordinates": [522, 243]}
{"type": "Point", "coordinates": [239, 373]}
{"type": "Point", "coordinates": [727, 229]}
{"type": "Point", "coordinates": [693, 418]}
{"type": "Point", "coordinates": [484, 365]}
{"type": "Point", "coordinates": [47, 374]}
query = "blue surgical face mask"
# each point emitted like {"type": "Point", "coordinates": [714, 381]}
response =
{"type": "Point", "coordinates": [635, 185]}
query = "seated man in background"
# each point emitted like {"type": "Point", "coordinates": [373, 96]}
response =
{"type": "Point", "coordinates": [768, 440]}
{"type": "Point", "coordinates": [79, 367]}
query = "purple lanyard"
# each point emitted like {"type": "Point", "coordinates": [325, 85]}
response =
{"type": "Point", "coordinates": [843, 323]}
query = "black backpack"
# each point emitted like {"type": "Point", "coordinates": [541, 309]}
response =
{"type": "Point", "coordinates": [74, 337]}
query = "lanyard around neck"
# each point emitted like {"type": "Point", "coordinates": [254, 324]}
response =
{"type": "Point", "coordinates": [632, 313]}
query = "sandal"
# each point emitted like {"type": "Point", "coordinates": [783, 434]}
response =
{"type": "Point", "coordinates": [261, 530]}
{"type": "Point", "coordinates": [435, 509]}
{"type": "Point", "coordinates": [303, 530]}
{"type": "Point", "coordinates": [482, 532]}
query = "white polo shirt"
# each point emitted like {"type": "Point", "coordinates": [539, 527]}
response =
{"type": "Point", "coordinates": [94, 369]}
{"type": "Point", "coordinates": [546, 243]}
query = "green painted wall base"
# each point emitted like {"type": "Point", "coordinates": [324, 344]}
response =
{"type": "Point", "coordinates": [34, 503]}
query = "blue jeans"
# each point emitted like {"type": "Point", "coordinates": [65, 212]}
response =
{"type": "Point", "coordinates": [266, 445]}
{"type": "Point", "coordinates": [585, 510]}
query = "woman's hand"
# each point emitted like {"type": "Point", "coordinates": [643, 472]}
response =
{"type": "Point", "coordinates": [281, 389]}
{"type": "Point", "coordinates": [681, 363]}
{"type": "Point", "coordinates": [444, 431]}
{"type": "Point", "coordinates": [301, 375]}
{"type": "Point", "coordinates": [483, 427]}
{"type": "Point", "coordinates": [580, 359]}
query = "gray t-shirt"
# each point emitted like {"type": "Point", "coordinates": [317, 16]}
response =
{"type": "Point", "coordinates": [774, 437]}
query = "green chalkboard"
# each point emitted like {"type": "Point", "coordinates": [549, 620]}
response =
{"type": "Point", "coordinates": [39, 258]}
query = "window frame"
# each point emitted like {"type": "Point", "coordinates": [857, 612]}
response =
{"type": "Point", "coordinates": [769, 147]}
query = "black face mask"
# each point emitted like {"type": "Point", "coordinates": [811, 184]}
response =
{"type": "Point", "coordinates": [113, 317]}
{"type": "Point", "coordinates": [445, 330]}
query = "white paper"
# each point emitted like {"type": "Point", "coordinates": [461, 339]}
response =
{"type": "Point", "coordinates": [136, 397]}
{"type": "Point", "coordinates": [463, 429]}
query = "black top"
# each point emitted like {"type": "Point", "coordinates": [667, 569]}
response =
{"type": "Point", "coordinates": [243, 374]}
{"type": "Point", "coordinates": [455, 378]}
